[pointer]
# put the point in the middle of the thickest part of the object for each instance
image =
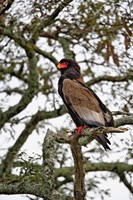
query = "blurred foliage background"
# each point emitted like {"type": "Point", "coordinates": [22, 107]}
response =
{"type": "Point", "coordinates": [34, 36]}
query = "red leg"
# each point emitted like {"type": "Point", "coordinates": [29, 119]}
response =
{"type": "Point", "coordinates": [80, 128]}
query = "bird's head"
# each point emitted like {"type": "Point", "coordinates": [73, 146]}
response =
{"type": "Point", "coordinates": [69, 68]}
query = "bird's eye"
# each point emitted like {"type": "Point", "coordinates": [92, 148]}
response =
{"type": "Point", "coordinates": [65, 63]}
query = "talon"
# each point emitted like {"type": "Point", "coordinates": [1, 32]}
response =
{"type": "Point", "coordinates": [70, 135]}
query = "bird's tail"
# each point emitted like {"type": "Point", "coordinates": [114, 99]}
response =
{"type": "Point", "coordinates": [103, 140]}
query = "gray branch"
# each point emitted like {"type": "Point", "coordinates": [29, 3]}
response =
{"type": "Point", "coordinates": [86, 135]}
{"type": "Point", "coordinates": [48, 169]}
{"type": "Point", "coordinates": [79, 173]}
{"type": "Point", "coordinates": [126, 77]}
{"type": "Point", "coordinates": [124, 121]}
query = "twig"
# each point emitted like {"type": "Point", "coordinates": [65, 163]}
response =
{"type": "Point", "coordinates": [125, 181]}
{"type": "Point", "coordinates": [121, 113]}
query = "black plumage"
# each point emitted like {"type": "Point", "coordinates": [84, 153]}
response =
{"type": "Point", "coordinates": [83, 105]}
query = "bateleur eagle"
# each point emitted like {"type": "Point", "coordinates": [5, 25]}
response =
{"type": "Point", "coordinates": [83, 105]}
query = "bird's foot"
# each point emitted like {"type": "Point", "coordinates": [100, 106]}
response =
{"type": "Point", "coordinates": [80, 128]}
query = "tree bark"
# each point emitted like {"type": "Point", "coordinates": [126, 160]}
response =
{"type": "Point", "coordinates": [79, 184]}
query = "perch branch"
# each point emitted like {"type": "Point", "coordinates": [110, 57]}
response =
{"type": "Point", "coordinates": [87, 134]}
{"type": "Point", "coordinates": [79, 189]}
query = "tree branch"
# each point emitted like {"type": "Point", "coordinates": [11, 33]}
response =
{"type": "Point", "coordinates": [121, 113]}
{"type": "Point", "coordinates": [32, 80]}
{"type": "Point", "coordinates": [26, 187]}
{"type": "Point", "coordinates": [92, 167]}
{"type": "Point", "coordinates": [50, 19]}
{"type": "Point", "coordinates": [117, 167]}
{"type": "Point", "coordinates": [21, 187]}
{"type": "Point", "coordinates": [86, 135]}
{"type": "Point", "coordinates": [12, 152]}
{"type": "Point", "coordinates": [46, 189]}
{"type": "Point", "coordinates": [48, 163]}
{"type": "Point", "coordinates": [125, 181]}
{"type": "Point", "coordinates": [89, 167]}
{"type": "Point", "coordinates": [61, 136]}
{"type": "Point", "coordinates": [65, 42]}
{"type": "Point", "coordinates": [27, 95]}
{"type": "Point", "coordinates": [48, 166]}
{"type": "Point", "coordinates": [48, 170]}
{"type": "Point", "coordinates": [45, 54]}
{"type": "Point", "coordinates": [124, 121]}
{"type": "Point", "coordinates": [66, 47]}
{"type": "Point", "coordinates": [27, 45]}
{"type": "Point", "coordinates": [79, 187]}
{"type": "Point", "coordinates": [126, 77]}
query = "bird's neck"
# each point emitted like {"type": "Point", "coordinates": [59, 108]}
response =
{"type": "Point", "coordinates": [80, 79]}
{"type": "Point", "coordinates": [71, 73]}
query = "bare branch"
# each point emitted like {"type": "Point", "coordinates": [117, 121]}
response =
{"type": "Point", "coordinates": [79, 187]}
{"type": "Point", "coordinates": [86, 135]}
{"type": "Point", "coordinates": [9, 91]}
{"type": "Point", "coordinates": [125, 181]}
{"type": "Point", "coordinates": [27, 94]}
{"type": "Point", "coordinates": [124, 121]}
{"type": "Point", "coordinates": [48, 167]}
{"type": "Point", "coordinates": [21, 187]}
{"type": "Point", "coordinates": [89, 167]}
{"type": "Point", "coordinates": [45, 54]}
{"type": "Point", "coordinates": [50, 19]}
{"type": "Point", "coordinates": [12, 152]}
{"type": "Point", "coordinates": [126, 77]}
{"type": "Point", "coordinates": [121, 113]}
{"type": "Point", "coordinates": [92, 167]}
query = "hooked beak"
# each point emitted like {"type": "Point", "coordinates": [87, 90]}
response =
{"type": "Point", "coordinates": [62, 65]}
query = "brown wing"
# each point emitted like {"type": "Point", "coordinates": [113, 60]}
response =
{"type": "Point", "coordinates": [83, 102]}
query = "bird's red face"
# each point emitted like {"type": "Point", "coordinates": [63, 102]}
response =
{"type": "Point", "coordinates": [62, 65]}
{"type": "Point", "coordinates": [69, 67]}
